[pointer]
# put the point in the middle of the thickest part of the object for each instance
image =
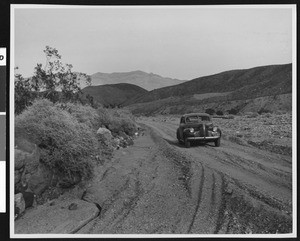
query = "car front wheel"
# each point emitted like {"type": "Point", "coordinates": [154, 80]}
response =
{"type": "Point", "coordinates": [218, 142]}
{"type": "Point", "coordinates": [178, 138]}
{"type": "Point", "coordinates": [187, 143]}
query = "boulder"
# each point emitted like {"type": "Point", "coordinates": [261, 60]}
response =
{"type": "Point", "coordinates": [29, 199]}
{"type": "Point", "coordinates": [19, 159]}
{"type": "Point", "coordinates": [29, 170]}
{"type": "Point", "coordinates": [41, 179]}
{"type": "Point", "coordinates": [103, 131]}
{"type": "Point", "coordinates": [123, 134]}
{"type": "Point", "coordinates": [57, 218]}
{"type": "Point", "coordinates": [26, 154]}
{"type": "Point", "coordinates": [18, 176]}
{"type": "Point", "coordinates": [19, 204]}
{"type": "Point", "coordinates": [105, 136]}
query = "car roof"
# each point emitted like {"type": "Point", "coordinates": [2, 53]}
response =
{"type": "Point", "coordinates": [193, 114]}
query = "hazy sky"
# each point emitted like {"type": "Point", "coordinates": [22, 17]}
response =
{"type": "Point", "coordinates": [178, 42]}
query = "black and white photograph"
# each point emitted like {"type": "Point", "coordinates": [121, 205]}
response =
{"type": "Point", "coordinates": [2, 80]}
{"type": "Point", "coordinates": [2, 137]}
{"type": "Point", "coordinates": [153, 121]}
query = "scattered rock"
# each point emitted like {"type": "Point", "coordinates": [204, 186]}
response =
{"type": "Point", "coordinates": [73, 206]}
{"type": "Point", "coordinates": [56, 219]}
{"type": "Point", "coordinates": [18, 176]}
{"type": "Point", "coordinates": [19, 159]}
{"type": "Point", "coordinates": [29, 198]}
{"type": "Point", "coordinates": [229, 191]}
{"type": "Point", "coordinates": [103, 130]}
{"type": "Point", "coordinates": [19, 204]}
{"type": "Point", "coordinates": [41, 179]}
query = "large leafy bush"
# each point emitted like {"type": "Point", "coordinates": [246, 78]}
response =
{"type": "Point", "coordinates": [66, 144]}
{"type": "Point", "coordinates": [117, 121]}
{"type": "Point", "coordinates": [83, 113]}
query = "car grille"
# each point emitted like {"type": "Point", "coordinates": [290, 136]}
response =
{"type": "Point", "coordinates": [199, 131]}
{"type": "Point", "coordinates": [203, 130]}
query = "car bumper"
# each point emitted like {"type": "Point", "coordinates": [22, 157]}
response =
{"type": "Point", "coordinates": [201, 138]}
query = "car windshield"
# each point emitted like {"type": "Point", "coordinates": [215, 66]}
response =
{"type": "Point", "coordinates": [196, 119]}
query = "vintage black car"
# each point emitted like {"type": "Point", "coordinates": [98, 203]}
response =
{"type": "Point", "coordinates": [198, 127]}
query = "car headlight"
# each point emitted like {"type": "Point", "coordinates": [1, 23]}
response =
{"type": "Point", "coordinates": [189, 129]}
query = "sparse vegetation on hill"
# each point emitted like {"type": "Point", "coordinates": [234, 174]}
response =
{"type": "Point", "coordinates": [227, 91]}
{"type": "Point", "coordinates": [112, 95]}
{"type": "Point", "coordinates": [266, 131]}
{"type": "Point", "coordinates": [186, 104]}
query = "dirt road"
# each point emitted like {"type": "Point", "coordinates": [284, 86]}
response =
{"type": "Point", "coordinates": [158, 186]}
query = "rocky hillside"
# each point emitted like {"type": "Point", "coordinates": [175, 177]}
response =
{"type": "Point", "coordinates": [115, 94]}
{"type": "Point", "coordinates": [244, 84]}
{"type": "Point", "coordinates": [145, 80]}
{"type": "Point", "coordinates": [256, 89]}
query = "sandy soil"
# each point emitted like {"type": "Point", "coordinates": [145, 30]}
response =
{"type": "Point", "coordinates": [158, 186]}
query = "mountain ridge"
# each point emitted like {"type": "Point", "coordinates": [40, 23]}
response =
{"type": "Point", "coordinates": [260, 87]}
{"type": "Point", "coordinates": [230, 81]}
{"type": "Point", "coordinates": [112, 95]}
{"type": "Point", "coordinates": [148, 81]}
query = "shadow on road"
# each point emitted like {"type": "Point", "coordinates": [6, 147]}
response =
{"type": "Point", "coordinates": [193, 144]}
{"type": "Point", "coordinates": [174, 143]}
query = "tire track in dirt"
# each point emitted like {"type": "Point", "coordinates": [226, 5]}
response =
{"type": "Point", "coordinates": [200, 191]}
{"type": "Point", "coordinates": [205, 183]}
{"type": "Point", "coordinates": [256, 177]}
{"type": "Point", "coordinates": [152, 195]}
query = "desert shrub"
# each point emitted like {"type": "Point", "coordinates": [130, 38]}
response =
{"type": "Point", "coordinates": [268, 115]}
{"type": "Point", "coordinates": [176, 110]}
{"type": "Point", "coordinates": [66, 144]}
{"type": "Point", "coordinates": [219, 112]}
{"type": "Point", "coordinates": [117, 121]}
{"type": "Point", "coordinates": [263, 110]}
{"type": "Point", "coordinates": [230, 117]}
{"type": "Point", "coordinates": [233, 111]}
{"type": "Point", "coordinates": [122, 113]}
{"type": "Point", "coordinates": [119, 125]}
{"type": "Point", "coordinates": [210, 111]}
{"type": "Point", "coordinates": [83, 113]}
{"type": "Point", "coordinates": [251, 114]}
{"type": "Point", "coordinates": [104, 116]}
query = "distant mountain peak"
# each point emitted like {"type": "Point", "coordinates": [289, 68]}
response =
{"type": "Point", "coordinates": [148, 81]}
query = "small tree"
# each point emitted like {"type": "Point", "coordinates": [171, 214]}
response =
{"type": "Point", "coordinates": [23, 93]}
{"type": "Point", "coordinates": [55, 81]}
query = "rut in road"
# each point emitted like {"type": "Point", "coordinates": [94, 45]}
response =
{"type": "Point", "coordinates": [158, 186]}
{"type": "Point", "coordinates": [153, 188]}
{"type": "Point", "coordinates": [262, 184]}
{"type": "Point", "coordinates": [207, 188]}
